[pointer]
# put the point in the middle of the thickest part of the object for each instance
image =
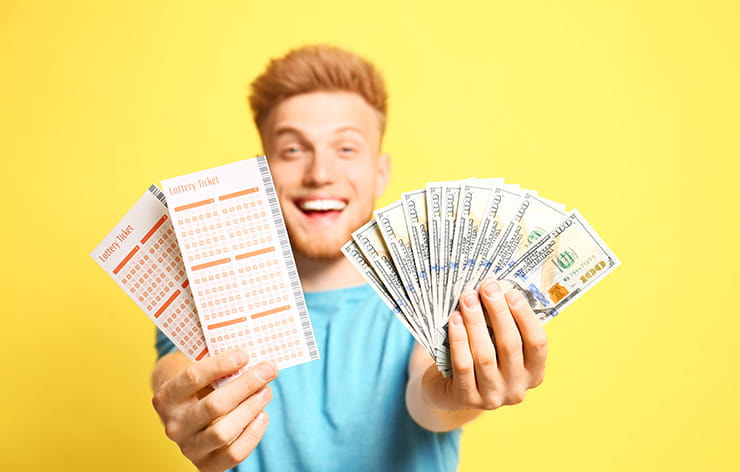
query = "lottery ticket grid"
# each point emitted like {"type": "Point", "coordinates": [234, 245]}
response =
{"type": "Point", "coordinates": [239, 262]}
{"type": "Point", "coordinates": [141, 254]}
{"type": "Point", "coordinates": [491, 230]}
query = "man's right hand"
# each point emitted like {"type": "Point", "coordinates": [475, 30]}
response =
{"type": "Point", "coordinates": [216, 429]}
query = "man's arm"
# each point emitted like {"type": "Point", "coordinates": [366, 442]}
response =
{"type": "Point", "coordinates": [485, 376]}
{"type": "Point", "coordinates": [215, 429]}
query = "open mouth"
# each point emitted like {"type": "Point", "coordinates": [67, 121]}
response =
{"type": "Point", "coordinates": [324, 209]}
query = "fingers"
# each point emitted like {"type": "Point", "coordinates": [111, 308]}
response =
{"type": "Point", "coordinates": [460, 356]}
{"type": "Point", "coordinates": [533, 337]}
{"type": "Point", "coordinates": [225, 430]}
{"type": "Point", "coordinates": [507, 340]}
{"type": "Point", "coordinates": [239, 449]}
{"type": "Point", "coordinates": [481, 346]}
{"type": "Point", "coordinates": [224, 400]}
{"type": "Point", "coordinates": [201, 374]}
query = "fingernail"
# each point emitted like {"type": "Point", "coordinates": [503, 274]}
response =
{"type": "Point", "coordinates": [240, 356]}
{"type": "Point", "coordinates": [515, 297]}
{"type": "Point", "coordinates": [492, 289]}
{"type": "Point", "coordinates": [470, 300]}
{"type": "Point", "coordinates": [457, 319]}
{"type": "Point", "coordinates": [262, 417]}
{"type": "Point", "coordinates": [265, 393]}
{"type": "Point", "coordinates": [265, 372]}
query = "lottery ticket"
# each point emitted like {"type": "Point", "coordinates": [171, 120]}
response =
{"type": "Point", "coordinates": [239, 262]}
{"type": "Point", "coordinates": [141, 254]}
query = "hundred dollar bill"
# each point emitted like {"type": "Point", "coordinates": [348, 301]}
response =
{"type": "Point", "coordinates": [450, 199]}
{"type": "Point", "coordinates": [473, 219]}
{"type": "Point", "coordinates": [534, 217]}
{"type": "Point", "coordinates": [415, 211]}
{"type": "Point", "coordinates": [434, 221]}
{"type": "Point", "coordinates": [354, 254]}
{"type": "Point", "coordinates": [503, 204]}
{"type": "Point", "coordinates": [561, 266]}
{"type": "Point", "coordinates": [392, 225]}
{"type": "Point", "coordinates": [370, 242]}
{"type": "Point", "coordinates": [473, 205]}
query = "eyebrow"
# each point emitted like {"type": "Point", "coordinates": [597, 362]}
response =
{"type": "Point", "coordinates": [287, 130]}
{"type": "Point", "coordinates": [349, 128]}
{"type": "Point", "coordinates": [283, 130]}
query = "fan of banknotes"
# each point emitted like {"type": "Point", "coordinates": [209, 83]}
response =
{"type": "Point", "coordinates": [421, 252]}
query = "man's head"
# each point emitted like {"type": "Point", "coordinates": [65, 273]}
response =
{"type": "Point", "coordinates": [320, 112]}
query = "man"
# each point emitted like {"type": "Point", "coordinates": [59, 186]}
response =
{"type": "Point", "coordinates": [375, 400]}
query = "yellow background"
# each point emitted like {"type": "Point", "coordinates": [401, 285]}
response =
{"type": "Point", "coordinates": [627, 110]}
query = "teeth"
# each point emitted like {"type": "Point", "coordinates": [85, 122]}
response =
{"type": "Point", "coordinates": [322, 205]}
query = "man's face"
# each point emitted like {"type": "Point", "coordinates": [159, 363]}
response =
{"type": "Point", "coordinates": [324, 155]}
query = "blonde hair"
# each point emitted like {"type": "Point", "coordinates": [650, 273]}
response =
{"type": "Point", "coordinates": [317, 68]}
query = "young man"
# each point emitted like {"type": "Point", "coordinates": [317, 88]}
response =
{"type": "Point", "coordinates": [375, 400]}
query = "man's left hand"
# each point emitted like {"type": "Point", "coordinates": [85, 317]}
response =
{"type": "Point", "coordinates": [489, 370]}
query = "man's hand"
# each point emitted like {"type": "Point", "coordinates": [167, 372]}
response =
{"type": "Point", "coordinates": [215, 429]}
{"type": "Point", "coordinates": [490, 368]}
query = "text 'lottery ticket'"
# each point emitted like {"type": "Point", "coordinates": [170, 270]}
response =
{"type": "Point", "coordinates": [141, 254]}
{"type": "Point", "coordinates": [239, 262]}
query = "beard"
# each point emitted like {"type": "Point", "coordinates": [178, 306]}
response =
{"type": "Point", "coordinates": [327, 249]}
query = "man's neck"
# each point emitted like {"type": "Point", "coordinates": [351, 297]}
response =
{"type": "Point", "coordinates": [318, 275]}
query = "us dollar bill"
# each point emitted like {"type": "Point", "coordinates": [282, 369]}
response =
{"type": "Point", "coordinates": [421, 252]}
{"type": "Point", "coordinates": [352, 251]}
{"type": "Point", "coordinates": [450, 200]}
{"type": "Point", "coordinates": [473, 206]}
{"type": "Point", "coordinates": [534, 217]}
{"type": "Point", "coordinates": [560, 267]}
{"type": "Point", "coordinates": [415, 210]}
{"type": "Point", "coordinates": [394, 230]}
{"type": "Point", "coordinates": [371, 243]}
{"type": "Point", "coordinates": [434, 221]}
{"type": "Point", "coordinates": [503, 204]}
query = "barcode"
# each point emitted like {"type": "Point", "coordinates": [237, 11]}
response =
{"type": "Point", "coordinates": [295, 283]}
{"type": "Point", "coordinates": [158, 193]}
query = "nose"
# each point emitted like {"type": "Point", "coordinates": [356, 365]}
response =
{"type": "Point", "coordinates": [319, 171]}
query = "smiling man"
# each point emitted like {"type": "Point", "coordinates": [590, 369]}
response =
{"type": "Point", "coordinates": [375, 400]}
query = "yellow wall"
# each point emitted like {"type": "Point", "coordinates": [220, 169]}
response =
{"type": "Point", "coordinates": [627, 110]}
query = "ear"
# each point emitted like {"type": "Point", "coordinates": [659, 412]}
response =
{"type": "Point", "coordinates": [383, 174]}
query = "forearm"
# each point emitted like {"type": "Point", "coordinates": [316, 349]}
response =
{"type": "Point", "coordinates": [167, 367]}
{"type": "Point", "coordinates": [426, 414]}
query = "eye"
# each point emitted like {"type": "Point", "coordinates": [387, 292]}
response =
{"type": "Point", "coordinates": [347, 151]}
{"type": "Point", "coordinates": [292, 151]}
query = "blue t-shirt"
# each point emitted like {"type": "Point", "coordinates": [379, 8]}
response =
{"type": "Point", "coordinates": [347, 411]}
